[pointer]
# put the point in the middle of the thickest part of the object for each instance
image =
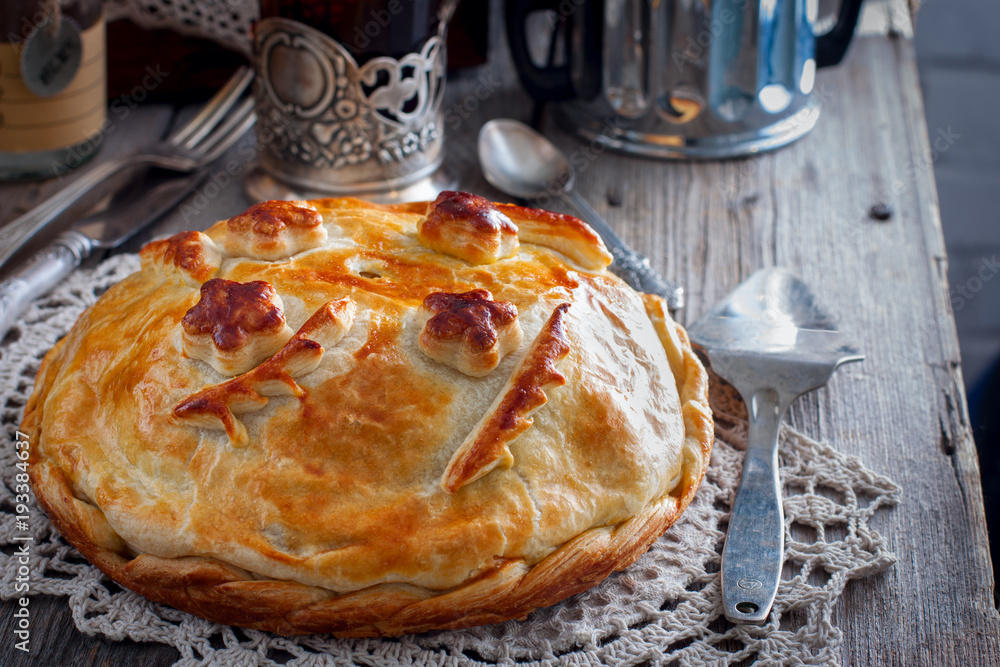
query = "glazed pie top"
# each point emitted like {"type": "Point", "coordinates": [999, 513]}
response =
{"type": "Point", "coordinates": [319, 416]}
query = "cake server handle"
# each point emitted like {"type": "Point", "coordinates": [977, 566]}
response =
{"type": "Point", "coordinates": [755, 540]}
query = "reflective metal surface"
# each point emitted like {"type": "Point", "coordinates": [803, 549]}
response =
{"type": "Point", "coordinates": [521, 162]}
{"type": "Point", "coordinates": [328, 124]}
{"type": "Point", "coordinates": [260, 185]}
{"type": "Point", "coordinates": [214, 129]}
{"type": "Point", "coordinates": [702, 78]}
{"type": "Point", "coordinates": [771, 341]}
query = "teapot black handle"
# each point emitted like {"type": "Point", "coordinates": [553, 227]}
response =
{"type": "Point", "coordinates": [831, 47]}
{"type": "Point", "coordinates": [545, 84]}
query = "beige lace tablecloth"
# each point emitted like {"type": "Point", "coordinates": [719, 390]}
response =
{"type": "Point", "coordinates": [665, 609]}
{"type": "Point", "coordinates": [224, 21]}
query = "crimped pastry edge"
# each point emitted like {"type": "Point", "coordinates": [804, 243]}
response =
{"type": "Point", "coordinates": [223, 593]}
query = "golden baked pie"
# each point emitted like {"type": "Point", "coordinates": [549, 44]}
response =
{"type": "Point", "coordinates": [337, 416]}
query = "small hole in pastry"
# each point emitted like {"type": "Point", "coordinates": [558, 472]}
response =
{"type": "Point", "coordinates": [367, 267]}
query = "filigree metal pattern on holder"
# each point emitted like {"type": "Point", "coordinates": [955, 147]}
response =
{"type": "Point", "coordinates": [386, 111]}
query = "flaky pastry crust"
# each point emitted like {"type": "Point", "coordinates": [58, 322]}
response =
{"type": "Point", "coordinates": [274, 230]}
{"type": "Point", "coordinates": [349, 483]}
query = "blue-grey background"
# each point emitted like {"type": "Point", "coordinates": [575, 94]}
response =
{"type": "Point", "coordinates": [958, 54]}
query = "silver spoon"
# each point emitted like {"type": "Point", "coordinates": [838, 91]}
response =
{"type": "Point", "coordinates": [522, 163]}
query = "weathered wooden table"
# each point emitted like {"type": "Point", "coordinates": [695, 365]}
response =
{"type": "Point", "coordinates": [709, 225]}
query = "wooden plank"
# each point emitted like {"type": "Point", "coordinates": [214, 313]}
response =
{"type": "Point", "coordinates": [56, 641]}
{"type": "Point", "coordinates": [888, 280]}
{"type": "Point", "coordinates": [902, 411]}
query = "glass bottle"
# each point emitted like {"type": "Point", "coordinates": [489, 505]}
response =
{"type": "Point", "coordinates": [53, 85]}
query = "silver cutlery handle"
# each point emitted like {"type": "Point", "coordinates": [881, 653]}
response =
{"type": "Point", "coordinates": [629, 265]}
{"type": "Point", "coordinates": [634, 269]}
{"type": "Point", "coordinates": [16, 233]}
{"type": "Point", "coordinates": [40, 274]}
{"type": "Point", "coordinates": [755, 540]}
{"type": "Point", "coordinates": [590, 215]}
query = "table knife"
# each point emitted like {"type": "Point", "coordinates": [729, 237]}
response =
{"type": "Point", "coordinates": [145, 201]}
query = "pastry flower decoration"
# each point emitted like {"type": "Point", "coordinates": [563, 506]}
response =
{"type": "Point", "coordinates": [273, 230]}
{"type": "Point", "coordinates": [235, 326]}
{"type": "Point", "coordinates": [470, 331]}
{"type": "Point", "coordinates": [217, 406]}
{"type": "Point", "coordinates": [468, 227]}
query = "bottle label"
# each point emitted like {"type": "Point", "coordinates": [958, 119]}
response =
{"type": "Point", "coordinates": [30, 122]}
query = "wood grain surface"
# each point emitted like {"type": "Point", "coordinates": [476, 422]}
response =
{"type": "Point", "coordinates": [709, 225]}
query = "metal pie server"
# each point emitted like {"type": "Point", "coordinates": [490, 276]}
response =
{"type": "Point", "coordinates": [773, 343]}
{"type": "Point", "coordinates": [144, 201]}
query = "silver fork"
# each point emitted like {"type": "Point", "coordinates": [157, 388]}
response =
{"type": "Point", "coordinates": [219, 124]}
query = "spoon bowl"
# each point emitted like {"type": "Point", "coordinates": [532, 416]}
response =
{"type": "Point", "coordinates": [521, 162]}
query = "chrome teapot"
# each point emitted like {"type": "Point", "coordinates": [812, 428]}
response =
{"type": "Point", "coordinates": [683, 78]}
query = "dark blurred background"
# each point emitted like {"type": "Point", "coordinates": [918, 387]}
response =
{"type": "Point", "coordinates": [958, 55]}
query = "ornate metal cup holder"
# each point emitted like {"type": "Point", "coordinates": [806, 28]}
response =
{"type": "Point", "coordinates": [328, 126]}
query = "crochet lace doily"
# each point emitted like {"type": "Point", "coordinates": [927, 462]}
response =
{"type": "Point", "coordinates": [665, 609]}
{"type": "Point", "coordinates": [224, 21]}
